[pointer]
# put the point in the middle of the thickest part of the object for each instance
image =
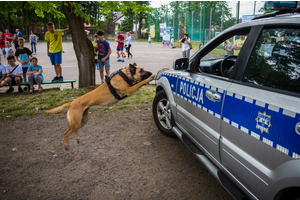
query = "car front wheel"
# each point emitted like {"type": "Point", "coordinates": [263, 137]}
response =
{"type": "Point", "coordinates": [162, 114]}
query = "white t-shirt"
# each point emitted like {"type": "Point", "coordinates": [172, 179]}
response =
{"type": "Point", "coordinates": [185, 45]}
{"type": "Point", "coordinates": [2, 69]}
{"type": "Point", "coordinates": [17, 71]}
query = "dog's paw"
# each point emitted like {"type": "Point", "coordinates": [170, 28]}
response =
{"type": "Point", "coordinates": [151, 78]}
{"type": "Point", "coordinates": [67, 148]}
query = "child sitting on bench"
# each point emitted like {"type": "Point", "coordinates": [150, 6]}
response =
{"type": "Point", "coordinates": [35, 75]}
{"type": "Point", "coordinates": [13, 75]}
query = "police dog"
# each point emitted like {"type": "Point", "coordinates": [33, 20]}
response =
{"type": "Point", "coordinates": [78, 112]}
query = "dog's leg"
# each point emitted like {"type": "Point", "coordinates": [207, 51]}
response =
{"type": "Point", "coordinates": [75, 117]}
{"type": "Point", "coordinates": [85, 117]}
{"type": "Point", "coordinates": [77, 136]}
{"type": "Point", "coordinates": [134, 88]}
{"type": "Point", "coordinates": [66, 137]}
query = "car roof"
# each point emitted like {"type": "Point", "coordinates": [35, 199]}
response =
{"type": "Point", "coordinates": [281, 19]}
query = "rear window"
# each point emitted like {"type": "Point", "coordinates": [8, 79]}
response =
{"type": "Point", "coordinates": [275, 61]}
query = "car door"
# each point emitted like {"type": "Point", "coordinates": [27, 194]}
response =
{"type": "Point", "coordinates": [260, 120]}
{"type": "Point", "coordinates": [199, 97]}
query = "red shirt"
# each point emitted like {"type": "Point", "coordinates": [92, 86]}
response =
{"type": "Point", "coordinates": [6, 35]}
{"type": "Point", "coordinates": [120, 38]}
{"type": "Point", "coordinates": [2, 42]}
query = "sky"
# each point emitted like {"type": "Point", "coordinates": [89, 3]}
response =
{"type": "Point", "coordinates": [246, 7]}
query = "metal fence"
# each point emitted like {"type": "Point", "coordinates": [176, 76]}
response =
{"type": "Point", "coordinates": [188, 22]}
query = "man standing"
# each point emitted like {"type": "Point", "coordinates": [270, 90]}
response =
{"type": "Point", "coordinates": [19, 33]}
{"type": "Point", "coordinates": [7, 35]}
{"type": "Point", "coordinates": [54, 49]}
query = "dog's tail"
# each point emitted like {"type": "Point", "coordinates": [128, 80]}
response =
{"type": "Point", "coordinates": [54, 110]}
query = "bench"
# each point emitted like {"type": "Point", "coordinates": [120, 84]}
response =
{"type": "Point", "coordinates": [54, 82]}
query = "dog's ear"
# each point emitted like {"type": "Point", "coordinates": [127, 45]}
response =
{"type": "Point", "coordinates": [134, 64]}
{"type": "Point", "coordinates": [132, 68]}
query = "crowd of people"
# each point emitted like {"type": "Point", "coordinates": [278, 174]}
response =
{"type": "Point", "coordinates": [20, 63]}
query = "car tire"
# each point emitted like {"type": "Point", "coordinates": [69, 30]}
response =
{"type": "Point", "coordinates": [162, 114]}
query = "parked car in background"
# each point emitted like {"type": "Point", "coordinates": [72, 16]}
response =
{"type": "Point", "coordinates": [240, 115]}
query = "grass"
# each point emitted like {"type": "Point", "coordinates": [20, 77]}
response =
{"type": "Point", "coordinates": [17, 105]}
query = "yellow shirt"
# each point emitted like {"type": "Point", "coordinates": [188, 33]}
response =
{"type": "Point", "coordinates": [237, 43]}
{"type": "Point", "coordinates": [55, 40]}
{"type": "Point", "coordinates": [94, 44]}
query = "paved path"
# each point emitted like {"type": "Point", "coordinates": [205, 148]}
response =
{"type": "Point", "coordinates": [151, 58]}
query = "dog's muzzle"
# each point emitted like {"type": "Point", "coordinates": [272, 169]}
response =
{"type": "Point", "coordinates": [146, 75]}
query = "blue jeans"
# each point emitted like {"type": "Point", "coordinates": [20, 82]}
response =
{"type": "Point", "coordinates": [33, 45]}
{"type": "Point", "coordinates": [3, 51]}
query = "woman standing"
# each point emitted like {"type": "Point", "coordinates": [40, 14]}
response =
{"type": "Point", "coordinates": [33, 42]}
{"type": "Point", "coordinates": [128, 44]}
{"type": "Point", "coordinates": [185, 45]}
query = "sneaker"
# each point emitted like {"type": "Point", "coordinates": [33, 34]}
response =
{"type": "Point", "coordinates": [20, 89]}
{"type": "Point", "coordinates": [25, 89]}
{"type": "Point", "coordinates": [131, 55]}
{"type": "Point", "coordinates": [10, 90]}
{"type": "Point", "coordinates": [102, 82]}
{"type": "Point", "coordinates": [55, 78]}
{"type": "Point", "coordinates": [61, 79]}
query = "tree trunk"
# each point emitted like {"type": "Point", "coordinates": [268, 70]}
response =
{"type": "Point", "coordinates": [83, 47]}
{"type": "Point", "coordinates": [140, 28]}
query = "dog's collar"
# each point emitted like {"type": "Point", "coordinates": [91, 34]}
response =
{"type": "Point", "coordinates": [128, 80]}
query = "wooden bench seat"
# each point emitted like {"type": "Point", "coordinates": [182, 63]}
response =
{"type": "Point", "coordinates": [54, 82]}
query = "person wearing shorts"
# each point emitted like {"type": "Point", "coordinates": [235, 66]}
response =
{"type": "Point", "coordinates": [13, 74]}
{"type": "Point", "coordinates": [23, 55]}
{"type": "Point", "coordinates": [120, 39]}
{"type": "Point", "coordinates": [104, 52]}
{"type": "Point", "coordinates": [95, 38]}
{"type": "Point", "coordinates": [54, 49]}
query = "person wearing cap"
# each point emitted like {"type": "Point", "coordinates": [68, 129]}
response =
{"type": "Point", "coordinates": [7, 35]}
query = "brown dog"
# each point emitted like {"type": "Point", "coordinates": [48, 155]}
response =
{"type": "Point", "coordinates": [78, 112]}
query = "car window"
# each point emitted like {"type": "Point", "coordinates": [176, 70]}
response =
{"type": "Point", "coordinates": [228, 47]}
{"type": "Point", "coordinates": [275, 60]}
{"type": "Point", "coordinates": [214, 63]}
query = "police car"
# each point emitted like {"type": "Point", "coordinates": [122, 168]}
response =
{"type": "Point", "coordinates": [240, 115]}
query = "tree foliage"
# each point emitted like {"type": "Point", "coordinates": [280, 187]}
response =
{"type": "Point", "coordinates": [136, 17]}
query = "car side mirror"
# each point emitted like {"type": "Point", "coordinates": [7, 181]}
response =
{"type": "Point", "coordinates": [181, 64]}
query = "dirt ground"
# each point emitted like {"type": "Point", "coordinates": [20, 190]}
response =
{"type": "Point", "coordinates": [122, 156]}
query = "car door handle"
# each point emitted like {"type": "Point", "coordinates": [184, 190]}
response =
{"type": "Point", "coordinates": [213, 95]}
